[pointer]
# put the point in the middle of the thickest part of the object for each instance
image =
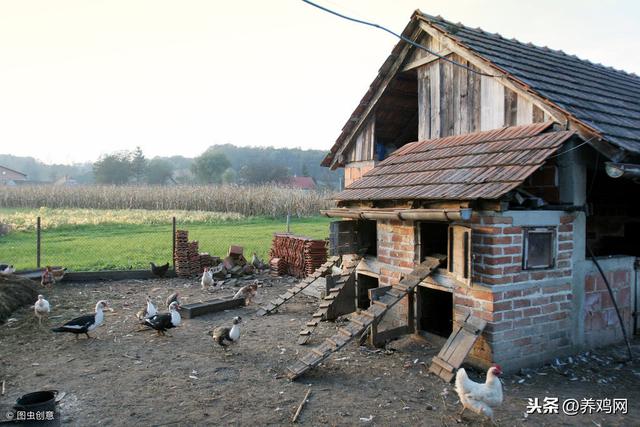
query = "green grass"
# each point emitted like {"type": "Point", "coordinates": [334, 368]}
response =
{"type": "Point", "coordinates": [132, 246]}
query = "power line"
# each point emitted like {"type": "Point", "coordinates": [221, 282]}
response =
{"type": "Point", "coordinates": [572, 148]}
{"type": "Point", "coordinates": [400, 36]}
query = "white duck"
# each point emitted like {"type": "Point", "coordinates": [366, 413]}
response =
{"type": "Point", "coordinates": [42, 308]}
{"type": "Point", "coordinates": [149, 311]}
{"type": "Point", "coordinates": [207, 278]}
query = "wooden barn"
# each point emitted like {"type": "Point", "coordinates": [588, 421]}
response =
{"type": "Point", "coordinates": [513, 162]}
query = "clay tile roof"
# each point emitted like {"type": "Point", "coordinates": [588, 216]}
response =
{"type": "Point", "coordinates": [480, 165]}
{"type": "Point", "coordinates": [303, 182]}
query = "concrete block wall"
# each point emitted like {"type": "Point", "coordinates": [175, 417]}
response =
{"type": "Point", "coordinates": [601, 324]}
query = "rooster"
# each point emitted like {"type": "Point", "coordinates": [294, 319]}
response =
{"type": "Point", "coordinates": [480, 398]}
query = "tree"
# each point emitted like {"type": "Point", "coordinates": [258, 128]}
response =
{"type": "Point", "coordinates": [209, 166]}
{"type": "Point", "coordinates": [263, 172]}
{"type": "Point", "coordinates": [305, 170]}
{"type": "Point", "coordinates": [138, 165]}
{"type": "Point", "coordinates": [112, 169]}
{"type": "Point", "coordinates": [158, 172]}
{"type": "Point", "coordinates": [229, 176]}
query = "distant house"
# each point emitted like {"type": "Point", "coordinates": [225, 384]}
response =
{"type": "Point", "coordinates": [302, 182]}
{"type": "Point", "coordinates": [66, 181]}
{"type": "Point", "coordinates": [10, 176]}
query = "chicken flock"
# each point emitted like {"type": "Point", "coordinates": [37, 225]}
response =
{"type": "Point", "coordinates": [480, 398]}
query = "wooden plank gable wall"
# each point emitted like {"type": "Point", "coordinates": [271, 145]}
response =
{"type": "Point", "coordinates": [451, 101]}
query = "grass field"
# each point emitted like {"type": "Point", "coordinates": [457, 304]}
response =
{"type": "Point", "coordinates": [83, 242]}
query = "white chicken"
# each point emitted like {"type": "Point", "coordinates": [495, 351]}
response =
{"type": "Point", "coordinates": [207, 278]}
{"type": "Point", "coordinates": [42, 308]}
{"type": "Point", "coordinates": [480, 398]}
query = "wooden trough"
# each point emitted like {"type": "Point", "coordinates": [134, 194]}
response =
{"type": "Point", "coordinates": [189, 311]}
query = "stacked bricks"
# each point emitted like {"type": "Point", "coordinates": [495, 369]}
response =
{"type": "Point", "coordinates": [181, 255]}
{"type": "Point", "coordinates": [498, 249]}
{"type": "Point", "coordinates": [194, 258]}
{"type": "Point", "coordinates": [301, 255]}
{"type": "Point", "coordinates": [601, 325]}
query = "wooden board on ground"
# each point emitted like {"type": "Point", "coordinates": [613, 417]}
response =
{"type": "Point", "coordinates": [189, 311]}
{"type": "Point", "coordinates": [466, 330]}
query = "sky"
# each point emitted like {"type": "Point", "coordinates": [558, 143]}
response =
{"type": "Point", "coordinates": [79, 79]}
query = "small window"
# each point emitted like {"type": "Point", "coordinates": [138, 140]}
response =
{"type": "Point", "coordinates": [538, 248]}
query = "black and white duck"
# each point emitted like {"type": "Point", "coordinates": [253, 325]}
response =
{"type": "Point", "coordinates": [162, 322]}
{"type": "Point", "coordinates": [85, 324]}
{"type": "Point", "coordinates": [223, 333]}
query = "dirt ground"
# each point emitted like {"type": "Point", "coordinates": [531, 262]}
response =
{"type": "Point", "coordinates": [136, 378]}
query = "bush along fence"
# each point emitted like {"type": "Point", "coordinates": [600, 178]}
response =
{"type": "Point", "coordinates": [100, 247]}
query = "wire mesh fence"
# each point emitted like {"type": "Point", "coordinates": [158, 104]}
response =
{"type": "Point", "coordinates": [132, 246]}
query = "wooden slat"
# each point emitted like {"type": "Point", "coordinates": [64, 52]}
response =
{"type": "Point", "coordinates": [359, 322]}
{"type": "Point", "coordinates": [458, 345]}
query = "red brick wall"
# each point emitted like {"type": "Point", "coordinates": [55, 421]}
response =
{"type": "Point", "coordinates": [497, 251]}
{"type": "Point", "coordinates": [397, 250]}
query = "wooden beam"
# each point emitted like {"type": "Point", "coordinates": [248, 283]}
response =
{"type": "Point", "coordinates": [425, 60]}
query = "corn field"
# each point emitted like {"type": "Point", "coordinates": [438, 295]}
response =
{"type": "Point", "coordinates": [267, 200]}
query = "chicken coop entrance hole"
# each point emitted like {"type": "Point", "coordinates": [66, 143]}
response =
{"type": "Point", "coordinates": [434, 238]}
{"type": "Point", "coordinates": [364, 284]}
{"type": "Point", "coordinates": [435, 311]}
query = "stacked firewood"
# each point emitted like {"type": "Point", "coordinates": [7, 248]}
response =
{"type": "Point", "coordinates": [181, 255]}
{"type": "Point", "coordinates": [301, 255]}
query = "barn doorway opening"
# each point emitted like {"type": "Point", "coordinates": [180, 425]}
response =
{"type": "Point", "coordinates": [363, 285]}
{"type": "Point", "coordinates": [435, 311]}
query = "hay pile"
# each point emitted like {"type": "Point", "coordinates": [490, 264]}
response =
{"type": "Point", "coordinates": [15, 291]}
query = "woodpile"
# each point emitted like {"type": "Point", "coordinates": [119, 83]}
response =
{"type": "Point", "coordinates": [301, 255]}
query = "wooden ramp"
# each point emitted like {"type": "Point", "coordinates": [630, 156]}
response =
{"type": "Point", "coordinates": [466, 330]}
{"type": "Point", "coordinates": [321, 271]}
{"type": "Point", "coordinates": [359, 322]}
{"type": "Point", "coordinates": [340, 299]}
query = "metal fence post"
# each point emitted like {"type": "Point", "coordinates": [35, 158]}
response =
{"type": "Point", "coordinates": [38, 242]}
{"type": "Point", "coordinates": [173, 239]}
